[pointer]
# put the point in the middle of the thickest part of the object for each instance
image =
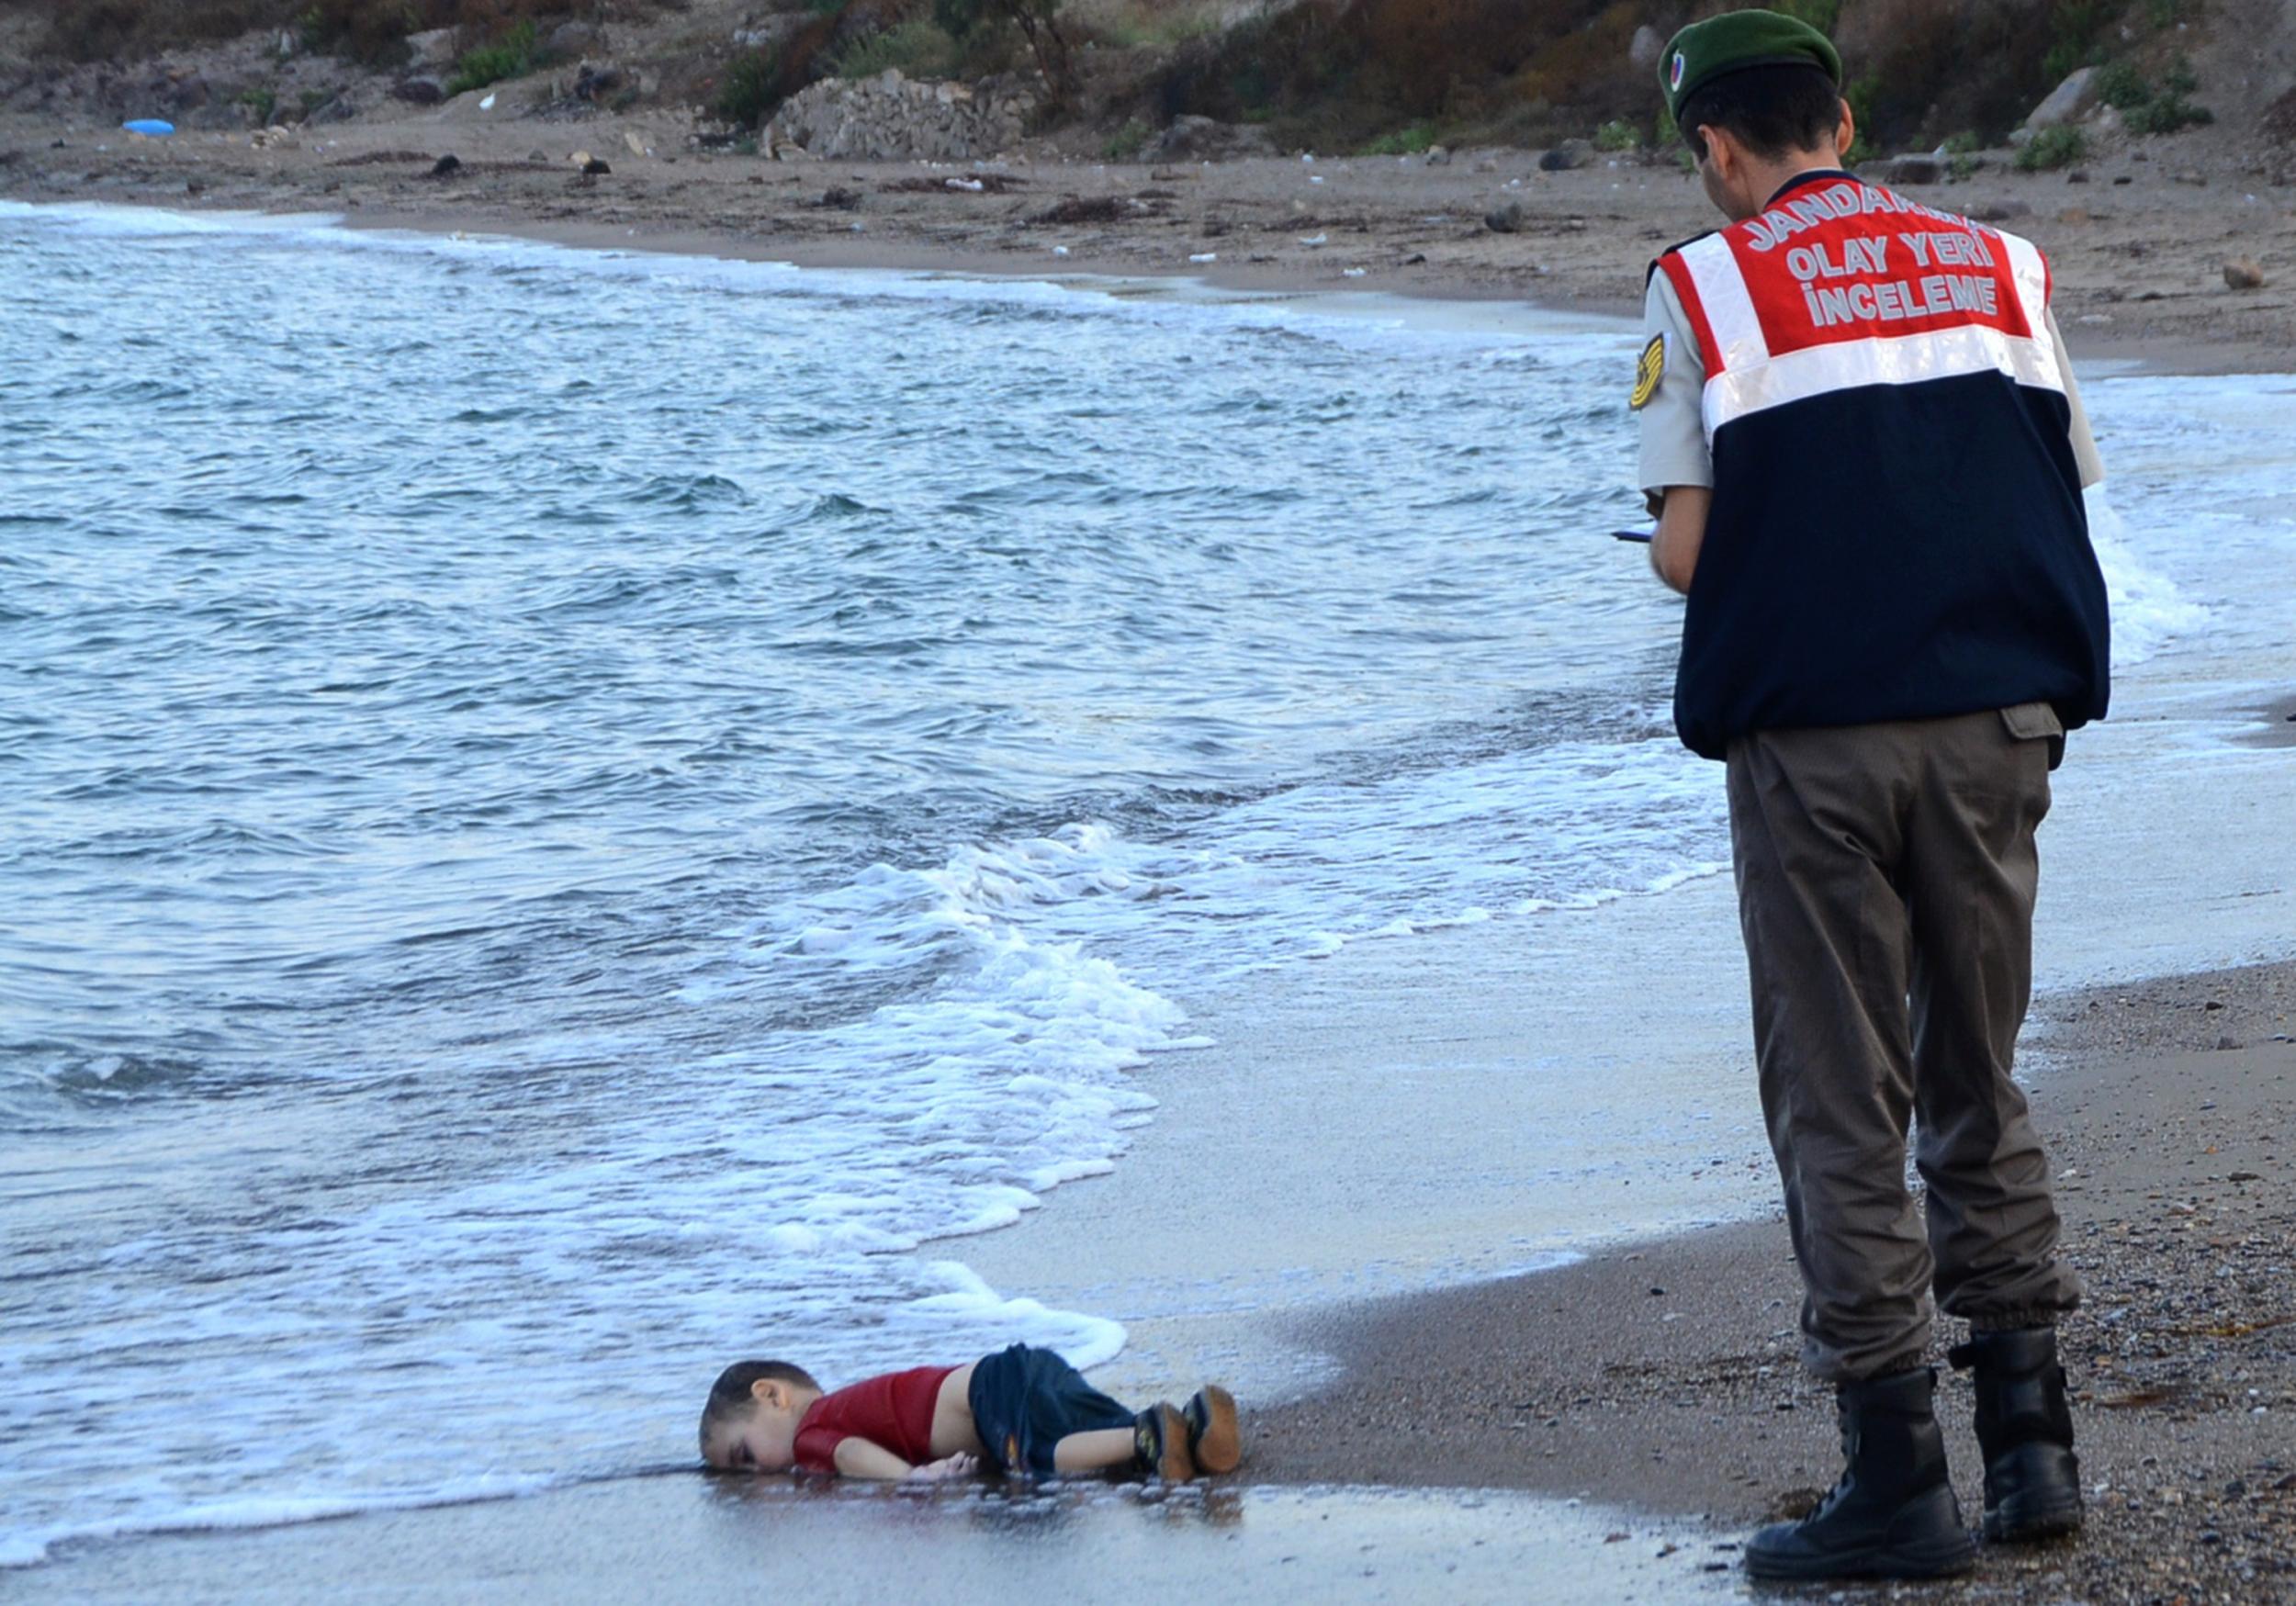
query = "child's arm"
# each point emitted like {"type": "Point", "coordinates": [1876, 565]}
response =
{"type": "Point", "coordinates": [859, 1458]}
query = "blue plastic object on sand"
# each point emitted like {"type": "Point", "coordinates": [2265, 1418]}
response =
{"type": "Point", "coordinates": [151, 126]}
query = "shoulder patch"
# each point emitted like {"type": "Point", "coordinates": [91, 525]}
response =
{"type": "Point", "coordinates": [1648, 370]}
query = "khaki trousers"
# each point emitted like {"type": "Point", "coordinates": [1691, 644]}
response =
{"type": "Point", "coordinates": [1886, 878]}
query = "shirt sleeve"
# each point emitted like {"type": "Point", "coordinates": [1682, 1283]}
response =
{"type": "Point", "coordinates": [2084, 444]}
{"type": "Point", "coordinates": [1669, 406]}
{"type": "Point", "coordinates": [814, 1448]}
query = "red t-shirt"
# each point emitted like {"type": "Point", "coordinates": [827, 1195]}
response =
{"type": "Point", "coordinates": [894, 1412]}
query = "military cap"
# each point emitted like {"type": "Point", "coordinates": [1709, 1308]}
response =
{"type": "Point", "coordinates": [1736, 41]}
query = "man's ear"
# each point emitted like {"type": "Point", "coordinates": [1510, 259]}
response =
{"type": "Point", "coordinates": [1847, 135]}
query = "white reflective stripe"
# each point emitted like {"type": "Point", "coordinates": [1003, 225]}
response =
{"type": "Point", "coordinates": [2032, 292]}
{"type": "Point", "coordinates": [1728, 308]}
{"type": "Point", "coordinates": [1906, 359]}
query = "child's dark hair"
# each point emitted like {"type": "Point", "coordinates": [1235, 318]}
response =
{"type": "Point", "coordinates": [1777, 110]}
{"type": "Point", "coordinates": [730, 1395]}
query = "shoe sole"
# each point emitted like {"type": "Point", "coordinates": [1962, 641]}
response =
{"type": "Point", "coordinates": [1175, 1465]}
{"type": "Point", "coordinates": [1220, 1448]}
{"type": "Point", "coordinates": [2006, 1527]}
{"type": "Point", "coordinates": [1942, 1561]}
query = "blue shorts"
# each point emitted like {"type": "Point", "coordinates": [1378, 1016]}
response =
{"type": "Point", "coordinates": [1026, 1400]}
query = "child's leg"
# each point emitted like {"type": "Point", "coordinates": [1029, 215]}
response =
{"type": "Point", "coordinates": [1094, 1451]}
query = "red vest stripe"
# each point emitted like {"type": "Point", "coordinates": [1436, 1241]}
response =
{"type": "Point", "coordinates": [1843, 284]}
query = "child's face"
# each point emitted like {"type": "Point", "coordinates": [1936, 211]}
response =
{"type": "Point", "coordinates": [763, 1440]}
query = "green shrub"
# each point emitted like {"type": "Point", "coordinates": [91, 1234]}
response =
{"type": "Point", "coordinates": [2168, 114]}
{"type": "Point", "coordinates": [1618, 134]}
{"type": "Point", "coordinates": [373, 31]}
{"type": "Point", "coordinates": [512, 56]}
{"type": "Point", "coordinates": [1404, 142]}
{"type": "Point", "coordinates": [919, 47]}
{"type": "Point", "coordinates": [2052, 147]}
{"type": "Point", "coordinates": [262, 101]}
{"type": "Point", "coordinates": [2121, 84]}
{"type": "Point", "coordinates": [1963, 143]}
{"type": "Point", "coordinates": [751, 89]}
{"type": "Point", "coordinates": [1127, 142]}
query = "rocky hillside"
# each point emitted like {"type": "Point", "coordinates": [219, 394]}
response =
{"type": "Point", "coordinates": [1117, 78]}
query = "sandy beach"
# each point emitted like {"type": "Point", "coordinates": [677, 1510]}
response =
{"type": "Point", "coordinates": [1547, 1424]}
{"type": "Point", "coordinates": [2138, 244]}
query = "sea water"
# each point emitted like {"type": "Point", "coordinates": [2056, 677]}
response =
{"type": "Point", "coordinates": [569, 816]}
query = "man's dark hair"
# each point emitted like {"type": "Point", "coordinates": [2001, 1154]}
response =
{"type": "Point", "coordinates": [730, 1395]}
{"type": "Point", "coordinates": [1777, 110]}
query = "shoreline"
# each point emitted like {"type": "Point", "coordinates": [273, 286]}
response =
{"type": "Point", "coordinates": [2137, 255]}
{"type": "Point", "coordinates": [1660, 1414]}
{"type": "Point", "coordinates": [1662, 1377]}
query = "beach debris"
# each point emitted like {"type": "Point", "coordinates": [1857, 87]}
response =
{"type": "Point", "coordinates": [1415, 259]}
{"type": "Point", "coordinates": [2243, 273]}
{"type": "Point", "coordinates": [1060, 251]}
{"type": "Point", "coordinates": [1353, 273]}
{"type": "Point", "coordinates": [595, 168]}
{"type": "Point", "coordinates": [1315, 239]}
{"type": "Point", "coordinates": [838, 198]}
{"type": "Point", "coordinates": [149, 128]}
{"type": "Point", "coordinates": [2078, 176]}
{"type": "Point", "coordinates": [446, 166]}
{"type": "Point", "coordinates": [1504, 219]}
{"type": "Point", "coordinates": [637, 145]}
{"type": "Point", "coordinates": [1437, 156]}
{"type": "Point", "coordinates": [579, 159]}
{"type": "Point", "coordinates": [1083, 209]}
{"type": "Point", "coordinates": [488, 104]}
{"type": "Point", "coordinates": [1205, 256]}
{"type": "Point", "coordinates": [993, 184]}
{"type": "Point", "coordinates": [1570, 154]}
{"type": "Point", "coordinates": [419, 89]}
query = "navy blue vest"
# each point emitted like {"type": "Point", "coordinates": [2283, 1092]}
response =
{"type": "Point", "coordinates": [1897, 529]}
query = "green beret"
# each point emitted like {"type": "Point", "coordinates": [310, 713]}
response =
{"type": "Point", "coordinates": [1736, 41]}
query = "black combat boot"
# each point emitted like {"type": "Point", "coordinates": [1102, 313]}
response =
{"type": "Point", "coordinates": [1893, 1515]}
{"type": "Point", "coordinates": [2033, 1483]}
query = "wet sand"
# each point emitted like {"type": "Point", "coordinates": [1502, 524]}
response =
{"type": "Point", "coordinates": [2138, 248]}
{"type": "Point", "coordinates": [1664, 1376]}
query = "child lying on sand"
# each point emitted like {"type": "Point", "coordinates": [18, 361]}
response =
{"type": "Point", "coordinates": [1021, 1410]}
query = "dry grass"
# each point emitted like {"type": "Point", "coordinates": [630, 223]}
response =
{"type": "Point", "coordinates": [367, 30]}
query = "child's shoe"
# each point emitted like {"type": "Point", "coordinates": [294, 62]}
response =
{"type": "Point", "coordinates": [1160, 1444]}
{"type": "Point", "coordinates": [1215, 1442]}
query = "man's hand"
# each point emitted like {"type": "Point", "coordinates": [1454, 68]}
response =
{"type": "Point", "coordinates": [1681, 530]}
{"type": "Point", "coordinates": [943, 1470]}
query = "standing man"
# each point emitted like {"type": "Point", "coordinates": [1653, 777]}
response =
{"type": "Point", "coordinates": [1863, 442]}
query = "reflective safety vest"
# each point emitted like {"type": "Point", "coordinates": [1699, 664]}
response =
{"type": "Point", "coordinates": [1897, 529]}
